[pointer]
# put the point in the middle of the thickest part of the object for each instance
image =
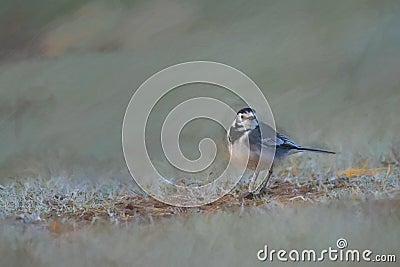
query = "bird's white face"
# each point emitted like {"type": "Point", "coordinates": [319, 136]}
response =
{"type": "Point", "coordinates": [246, 120]}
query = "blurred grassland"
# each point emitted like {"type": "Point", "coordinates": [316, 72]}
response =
{"type": "Point", "coordinates": [51, 222]}
{"type": "Point", "coordinates": [223, 239]}
{"type": "Point", "coordinates": [330, 70]}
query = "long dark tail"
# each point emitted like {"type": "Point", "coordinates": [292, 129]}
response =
{"type": "Point", "coordinates": [315, 150]}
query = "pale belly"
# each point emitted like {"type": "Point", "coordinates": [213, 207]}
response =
{"type": "Point", "coordinates": [241, 154]}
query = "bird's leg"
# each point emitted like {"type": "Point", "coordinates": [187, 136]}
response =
{"type": "Point", "coordinates": [249, 193]}
{"type": "Point", "coordinates": [261, 188]}
{"type": "Point", "coordinates": [252, 181]}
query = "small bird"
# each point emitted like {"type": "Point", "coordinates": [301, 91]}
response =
{"type": "Point", "coordinates": [255, 142]}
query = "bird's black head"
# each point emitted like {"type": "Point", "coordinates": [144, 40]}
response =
{"type": "Point", "coordinates": [246, 111]}
{"type": "Point", "coordinates": [245, 120]}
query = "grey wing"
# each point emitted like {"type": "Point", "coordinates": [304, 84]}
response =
{"type": "Point", "coordinates": [271, 142]}
{"type": "Point", "coordinates": [271, 138]}
{"type": "Point", "coordinates": [287, 142]}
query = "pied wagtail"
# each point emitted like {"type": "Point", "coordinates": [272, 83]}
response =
{"type": "Point", "coordinates": [244, 136]}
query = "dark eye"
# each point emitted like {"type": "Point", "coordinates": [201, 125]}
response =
{"type": "Point", "coordinates": [241, 116]}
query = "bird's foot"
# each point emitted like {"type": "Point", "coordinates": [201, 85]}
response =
{"type": "Point", "coordinates": [246, 195]}
{"type": "Point", "coordinates": [261, 194]}
{"type": "Point", "coordinates": [253, 195]}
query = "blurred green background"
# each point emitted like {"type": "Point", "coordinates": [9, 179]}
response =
{"type": "Point", "coordinates": [330, 70]}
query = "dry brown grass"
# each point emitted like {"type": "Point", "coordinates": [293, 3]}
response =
{"type": "Point", "coordinates": [63, 207]}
